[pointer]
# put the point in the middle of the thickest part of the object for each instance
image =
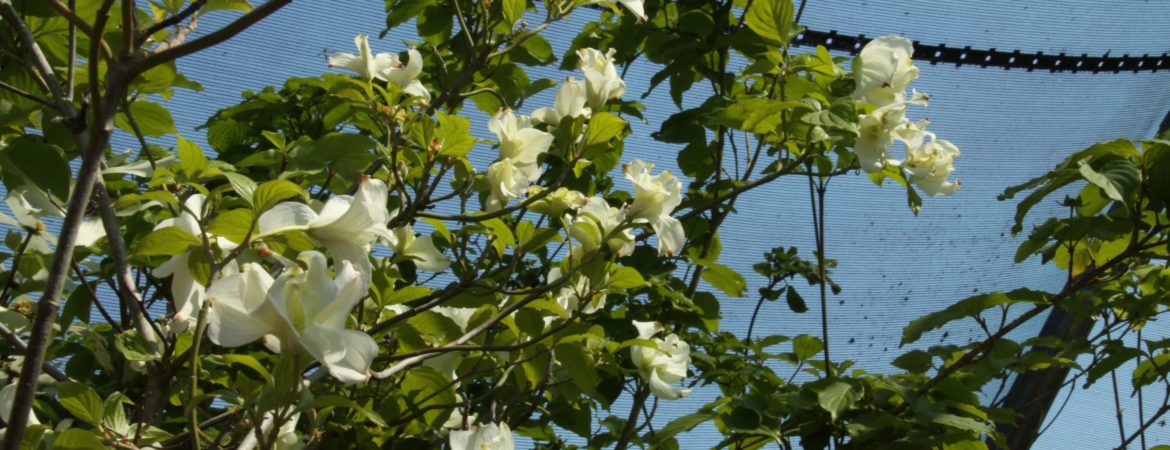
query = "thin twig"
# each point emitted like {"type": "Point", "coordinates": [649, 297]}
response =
{"type": "Point", "coordinates": [22, 93]}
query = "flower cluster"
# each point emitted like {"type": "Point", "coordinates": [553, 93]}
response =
{"type": "Point", "coordinates": [883, 72]}
{"type": "Point", "coordinates": [521, 143]}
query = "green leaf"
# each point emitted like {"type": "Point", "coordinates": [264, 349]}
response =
{"type": "Point", "coordinates": [331, 149]}
{"type": "Point", "coordinates": [534, 51]}
{"type": "Point", "coordinates": [771, 20]}
{"type": "Point", "coordinates": [603, 128]}
{"type": "Point", "coordinates": [81, 401]}
{"type": "Point", "coordinates": [513, 10]}
{"type": "Point", "coordinates": [226, 5]}
{"type": "Point", "coordinates": [969, 307]}
{"type": "Point", "coordinates": [723, 278]}
{"type": "Point", "coordinates": [191, 158]}
{"type": "Point", "coordinates": [1157, 162]}
{"type": "Point", "coordinates": [272, 192]}
{"type": "Point", "coordinates": [168, 241]}
{"type": "Point", "coordinates": [454, 135]}
{"type": "Point", "coordinates": [27, 161]}
{"type": "Point", "coordinates": [754, 115]}
{"type": "Point", "coordinates": [335, 401]}
{"type": "Point", "coordinates": [795, 301]}
{"type": "Point", "coordinates": [501, 235]}
{"type": "Point", "coordinates": [837, 398]}
{"type": "Point", "coordinates": [962, 423]}
{"type": "Point", "coordinates": [1064, 173]}
{"type": "Point", "coordinates": [1119, 178]}
{"type": "Point", "coordinates": [401, 11]}
{"type": "Point", "coordinates": [242, 185]}
{"type": "Point", "coordinates": [407, 294]}
{"type": "Point", "coordinates": [233, 225]}
{"type": "Point", "coordinates": [679, 425]}
{"type": "Point", "coordinates": [915, 361]}
{"type": "Point", "coordinates": [246, 361]}
{"type": "Point", "coordinates": [77, 439]}
{"type": "Point", "coordinates": [805, 346]}
{"type": "Point", "coordinates": [134, 347]}
{"type": "Point", "coordinates": [579, 366]}
{"type": "Point", "coordinates": [626, 278]}
{"type": "Point", "coordinates": [153, 119]}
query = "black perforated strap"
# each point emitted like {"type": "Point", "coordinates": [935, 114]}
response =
{"type": "Point", "coordinates": [967, 56]}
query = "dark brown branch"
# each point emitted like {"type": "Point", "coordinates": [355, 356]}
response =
{"type": "Point", "coordinates": [174, 20]}
{"type": "Point", "coordinates": [211, 39]}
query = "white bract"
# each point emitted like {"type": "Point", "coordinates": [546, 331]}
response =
{"type": "Point", "coordinates": [602, 82]}
{"type": "Point", "coordinates": [7, 397]}
{"type": "Point", "coordinates": [873, 143]}
{"type": "Point", "coordinates": [884, 70]}
{"type": "Point", "coordinates": [345, 225]}
{"type": "Point", "coordinates": [420, 249]}
{"type": "Point", "coordinates": [483, 437]}
{"type": "Point", "coordinates": [383, 66]}
{"type": "Point", "coordinates": [570, 103]}
{"type": "Point", "coordinates": [664, 365]}
{"type": "Point", "coordinates": [520, 147]}
{"type": "Point", "coordinates": [593, 225]}
{"type": "Point", "coordinates": [303, 309]}
{"type": "Point", "coordinates": [655, 198]}
{"type": "Point", "coordinates": [575, 295]}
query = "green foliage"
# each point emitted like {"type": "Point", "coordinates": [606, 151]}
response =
{"type": "Point", "coordinates": [469, 323]}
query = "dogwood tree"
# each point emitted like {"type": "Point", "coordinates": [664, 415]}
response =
{"type": "Point", "coordinates": [335, 270]}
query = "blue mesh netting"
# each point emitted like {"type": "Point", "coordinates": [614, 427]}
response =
{"type": "Point", "coordinates": [893, 266]}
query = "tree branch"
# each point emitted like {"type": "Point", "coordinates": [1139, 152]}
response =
{"type": "Point", "coordinates": [214, 38]}
{"type": "Point", "coordinates": [174, 20]}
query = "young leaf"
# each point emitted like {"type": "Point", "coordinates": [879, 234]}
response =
{"type": "Point", "coordinates": [168, 241]}
{"type": "Point", "coordinates": [837, 398]}
{"type": "Point", "coordinates": [272, 192]}
{"type": "Point", "coordinates": [81, 401]}
{"type": "Point", "coordinates": [723, 278]}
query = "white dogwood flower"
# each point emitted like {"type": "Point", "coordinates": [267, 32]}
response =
{"type": "Point", "coordinates": [602, 82]}
{"type": "Point", "coordinates": [383, 66]}
{"type": "Point", "coordinates": [593, 225]}
{"type": "Point", "coordinates": [570, 103]}
{"type": "Point", "coordinates": [491, 436]}
{"type": "Point", "coordinates": [655, 198]}
{"type": "Point", "coordinates": [663, 366]}
{"type": "Point", "coordinates": [929, 160]}
{"type": "Point", "coordinates": [346, 225]}
{"type": "Point", "coordinates": [506, 181]}
{"type": "Point", "coordinates": [884, 70]}
{"type": "Point", "coordinates": [302, 310]}
{"type": "Point", "coordinates": [520, 148]}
